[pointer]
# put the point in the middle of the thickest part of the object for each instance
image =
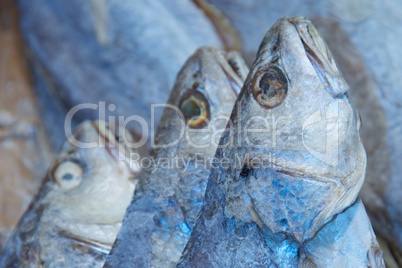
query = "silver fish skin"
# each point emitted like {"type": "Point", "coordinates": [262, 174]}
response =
{"type": "Point", "coordinates": [168, 198]}
{"type": "Point", "coordinates": [364, 37]}
{"type": "Point", "coordinates": [75, 217]}
{"type": "Point", "coordinates": [122, 52]}
{"type": "Point", "coordinates": [295, 171]}
{"type": "Point", "coordinates": [347, 241]}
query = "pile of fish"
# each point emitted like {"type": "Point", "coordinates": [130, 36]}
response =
{"type": "Point", "coordinates": [248, 168]}
{"type": "Point", "coordinates": [100, 58]}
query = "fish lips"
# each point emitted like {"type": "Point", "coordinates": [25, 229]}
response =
{"type": "Point", "coordinates": [117, 151]}
{"type": "Point", "coordinates": [320, 56]}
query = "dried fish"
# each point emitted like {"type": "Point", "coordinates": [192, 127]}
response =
{"type": "Point", "coordinates": [302, 163]}
{"type": "Point", "coordinates": [74, 219]}
{"type": "Point", "coordinates": [171, 189]}
{"type": "Point", "coordinates": [364, 37]}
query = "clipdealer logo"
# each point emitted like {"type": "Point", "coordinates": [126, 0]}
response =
{"type": "Point", "coordinates": [319, 132]}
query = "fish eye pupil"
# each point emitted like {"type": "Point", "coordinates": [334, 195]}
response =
{"type": "Point", "coordinates": [270, 86]}
{"type": "Point", "coordinates": [266, 86]}
{"type": "Point", "coordinates": [195, 108]}
{"type": "Point", "coordinates": [67, 177]}
{"type": "Point", "coordinates": [190, 109]}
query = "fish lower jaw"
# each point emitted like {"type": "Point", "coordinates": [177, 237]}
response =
{"type": "Point", "coordinates": [99, 237]}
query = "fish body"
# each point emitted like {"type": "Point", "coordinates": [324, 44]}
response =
{"type": "Point", "coordinates": [124, 53]}
{"type": "Point", "coordinates": [363, 37]}
{"type": "Point", "coordinates": [75, 217]}
{"type": "Point", "coordinates": [170, 193]}
{"type": "Point", "coordinates": [297, 160]}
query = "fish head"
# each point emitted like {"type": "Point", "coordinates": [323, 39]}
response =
{"type": "Point", "coordinates": [302, 157]}
{"type": "Point", "coordinates": [94, 177]}
{"type": "Point", "coordinates": [200, 103]}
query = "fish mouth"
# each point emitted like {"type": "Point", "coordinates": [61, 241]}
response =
{"type": "Point", "coordinates": [320, 56]}
{"type": "Point", "coordinates": [85, 243]}
{"type": "Point", "coordinates": [236, 74]}
{"type": "Point", "coordinates": [293, 171]}
{"type": "Point", "coordinates": [307, 175]}
{"type": "Point", "coordinates": [117, 148]}
{"type": "Point", "coordinates": [233, 66]}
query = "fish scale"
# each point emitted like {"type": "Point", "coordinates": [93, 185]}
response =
{"type": "Point", "coordinates": [192, 186]}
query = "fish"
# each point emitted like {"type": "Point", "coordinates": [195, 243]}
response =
{"type": "Point", "coordinates": [75, 217]}
{"type": "Point", "coordinates": [297, 163]}
{"type": "Point", "coordinates": [120, 55]}
{"type": "Point", "coordinates": [370, 65]}
{"type": "Point", "coordinates": [171, 187]}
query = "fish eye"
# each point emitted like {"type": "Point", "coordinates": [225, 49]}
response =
{"type": "Point", "coordinates": [68, 173]}
{"type": "Point", "coordinates": [270, 87]}
{"type": "Point", "coordinates": [195, 109]}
